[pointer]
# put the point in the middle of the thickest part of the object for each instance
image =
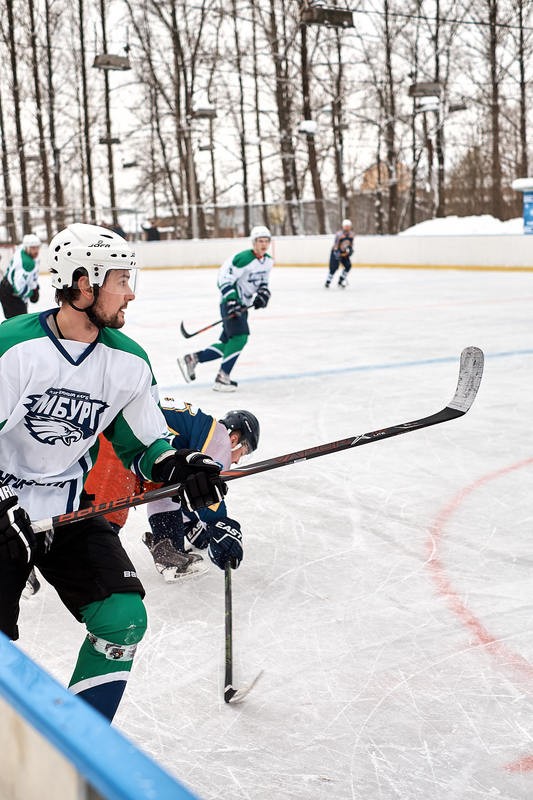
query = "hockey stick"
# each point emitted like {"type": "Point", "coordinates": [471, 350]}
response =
{"type": "Point", "coordinates": [470, 374]}
{"type": "Point", "coordinates": [211, 325]}
{"type": "Point", "coordinates": [231, 695]}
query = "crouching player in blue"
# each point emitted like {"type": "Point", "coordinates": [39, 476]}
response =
{"type": "Point", "coordinates": [68, 375]}
{"type": "Point", "coordinates": [172, 525]}
{"type": "Point", "coordinates": [226, 441]}
{"type": "Point", "coordinates": [340, 254]}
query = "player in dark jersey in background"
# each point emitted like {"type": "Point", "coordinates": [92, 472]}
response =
{"type": "Point", "coordinates": [340, 254]}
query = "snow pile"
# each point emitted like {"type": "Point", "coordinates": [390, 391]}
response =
{"type": "Point", "coordinates": [465, 226]}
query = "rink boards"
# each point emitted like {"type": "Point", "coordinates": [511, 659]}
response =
{"type": "Point", "coordinates": [54, 745]}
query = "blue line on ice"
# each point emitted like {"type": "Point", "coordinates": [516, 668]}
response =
{"type": "Point", "coordinates": [291, 376]}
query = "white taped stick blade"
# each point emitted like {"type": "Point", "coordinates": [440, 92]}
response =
{"type": "Point", "coordinates": [232, 695]}
{"type": "Point", "coordinates": [470, 374]}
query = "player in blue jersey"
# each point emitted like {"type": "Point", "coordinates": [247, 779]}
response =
{"type": "Point", "coordinates": [21, 280]}
{"type": "Point", "coordinates": [67, 375]}
{"type": "Point", "coordinates": [227, 441]}
{"type": "Point", "coordinates": [340, 254]}
{"type": "Point", "coordinates": [172, 526]}
{"type": "Point", "coordinates": [243, 282]}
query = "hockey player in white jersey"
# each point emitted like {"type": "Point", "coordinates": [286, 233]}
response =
{"type": "Point", "coordinates": [67, 375]}
{"type": "Point", "coordinates": [243, 282]}
{"type": "Point", "coordinates": [20, 283]}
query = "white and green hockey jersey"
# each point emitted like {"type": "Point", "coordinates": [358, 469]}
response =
{"type": "Point", "coordinates": [22, 273]}
{"type": "Point", "coordinates": [241, 275]}
{"type": "Point", "coordinates": [57, 395]}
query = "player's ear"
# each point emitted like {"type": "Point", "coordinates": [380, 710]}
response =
{"type": "Point", "coordinates": [84, 286]}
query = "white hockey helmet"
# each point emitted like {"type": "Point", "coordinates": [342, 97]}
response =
{"type": "Point", "coordinates": [260, 232]}
{"type": "Point", "coordinates": [347, 223]}
{"type": "Point", "coordinates": [91, 247]}
{"type": "Point", "coordinates": [30, 240]}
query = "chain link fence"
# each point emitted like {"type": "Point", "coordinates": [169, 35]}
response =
{"type": "Point", "coordinates": [366, 210]}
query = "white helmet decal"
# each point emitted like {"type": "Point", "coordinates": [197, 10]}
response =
{"type": "Point", "coordinates": [91, 247]}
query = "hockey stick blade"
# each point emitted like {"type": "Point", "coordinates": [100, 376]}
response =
{"type": "Point", "coordinates": [468, 382]}
{"type": "Point", "coordinates": [207, 327]}
{"type": "Point", "coordinates": [470, 375]}
{"type": "Point", "coordinates": [232, 695]}
{"type": "Point", "coordinates": [201, 330]}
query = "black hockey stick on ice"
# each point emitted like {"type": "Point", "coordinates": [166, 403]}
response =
{"type": "Point", "coordinates": [231, 694]}
{"type": "Point", "coordinates": [207, 327]}
{"type": "Point", "coordinates": [470, 374]}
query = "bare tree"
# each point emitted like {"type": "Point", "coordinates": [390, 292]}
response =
{"type": "Point", "coordinates": [15, 92]}
{"type": "Point", "coordinates": [43, 150]}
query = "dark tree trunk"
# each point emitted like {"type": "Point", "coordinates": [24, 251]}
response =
{"type": "Point", "coordinates": [311, 149]}
{"type": "Point", "coordinates": [12, 45]}
{"type": "Point", "coordinates": [43, 154]}
{"type": "Point", "coordinates": [86, 115]}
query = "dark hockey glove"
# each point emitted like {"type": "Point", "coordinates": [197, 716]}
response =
{"type": "Point", "coordinates": [17, 539]}
{"type": "Point", "coordinates": [262, 297]}
{"type": "Point", "coordinates": [197, 533]}
{"type": "Point", "coordinates": [199, 475]}
{"type": "Point", "coordinates": [234, 308]}
{"type": "Point", "coordinates": [225, 543]}
{"type": "Point", "coordinates": [34, 296]}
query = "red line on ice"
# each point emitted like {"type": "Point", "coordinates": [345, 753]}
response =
{"type": "Point", "coordinates": [445, 588]}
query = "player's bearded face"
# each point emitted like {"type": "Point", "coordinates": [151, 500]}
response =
{"type": "Point", "coordinates": [113, 298]}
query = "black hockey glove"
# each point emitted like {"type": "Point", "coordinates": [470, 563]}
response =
{"type": "Point", "coordinates": [262, 297]}
{"type": "Point", "coordinates": [234, 308]}
{"type": "Point", "coordinates": [34, 296]}
{"type": "Point", "coordinates": [199, 475]}
{"type": "Point", "coordinates": [197, 533]}
{"type": "Point", "coordinates": [17, 539]}
{"type": "Point", "coordinates": [225, 543]}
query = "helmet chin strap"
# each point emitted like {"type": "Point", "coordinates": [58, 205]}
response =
{"type": "Point", "coordinates": [96, 321]}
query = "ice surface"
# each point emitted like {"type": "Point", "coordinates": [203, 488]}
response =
{"type": "Point", "coordinates": [385, 591]}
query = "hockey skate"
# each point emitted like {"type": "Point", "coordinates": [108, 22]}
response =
{"type": "Point", "coordinates": [328, 282]}
{"type": "Point", "coordinates": [187, 365]}
{"type": "Point", "coordinates": [223, 383]}
{"type": "Point", "coordinates": [343, 282]}
{"type": "Point", "coordinates": [174, 565]}
{"type": "Point", "coordinates": [32, 585]}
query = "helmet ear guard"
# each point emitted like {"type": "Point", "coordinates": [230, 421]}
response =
{"type": "Point", "coordinates": [90, 247]}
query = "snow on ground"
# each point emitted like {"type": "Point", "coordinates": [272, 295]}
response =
{"type": "Point", "coordinates": [385, 591]}
{"type": "Point", "coordinates": [483, 225]}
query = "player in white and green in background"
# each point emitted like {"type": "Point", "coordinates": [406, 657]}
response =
{"type": "Point", "coordinates": [243, 282]}
{"type": "Point", "coordinates": [21, 280]}
{"type": "Point", "coordinates": [67, 375]}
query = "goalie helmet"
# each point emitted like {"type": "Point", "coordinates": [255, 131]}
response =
{"type": "Point", "coordinates": [90, 247]}
{"type": "Point", "coordinates": [260, 232]}
{"type": "Point", "coordinates": [246, 424]}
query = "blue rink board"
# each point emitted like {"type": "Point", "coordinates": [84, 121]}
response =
{"type": "Point", "coordinates": [114, 766]}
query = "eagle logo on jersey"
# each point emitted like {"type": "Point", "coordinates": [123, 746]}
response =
{"type": "Point", "coordinates": [50, 430]}
{"type": "Point", "coordinates": [63, 415]}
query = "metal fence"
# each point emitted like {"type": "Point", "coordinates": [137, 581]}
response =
{"type": "Point", "coordinates": [208, 221]}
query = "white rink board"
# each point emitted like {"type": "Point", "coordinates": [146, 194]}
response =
{"type": "Point", "coordinates": [31, 768]}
